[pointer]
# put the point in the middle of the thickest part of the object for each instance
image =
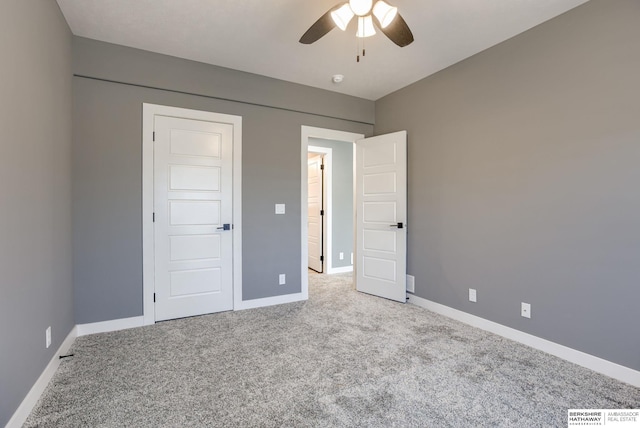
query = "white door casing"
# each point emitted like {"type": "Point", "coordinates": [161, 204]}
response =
{"type": "Point", "coordinates": [381, 210]}
{"type": "Point", "coordinates": [186, 206]}
{"type": "Point", "coordinates": [193, 217]}
{"type": "Point", "coordinates": [314, 218]}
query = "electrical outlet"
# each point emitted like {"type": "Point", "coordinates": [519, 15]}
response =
{"type": "Point", "coordinates": [411, 283]}
{"type": "Point", "coordinates": [283, 279]}
{"type": "Point", "coordinates": [473, 295]}
{"type": "Point", "coordinates": [280, 208]}
{"type": "Point", "coordinates": [341, 256]}
{"type": "Point", "coordinates": [47, 336]}
{"type": "Point", "coordinates": [525, 310]}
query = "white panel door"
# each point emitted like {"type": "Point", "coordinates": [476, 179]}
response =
{"type": "Point", "coordinates": [381, 210]}
{"type": "Point", "coordinates": [314, 219]}
{"type": "Point", "coordinates": [192, 203]}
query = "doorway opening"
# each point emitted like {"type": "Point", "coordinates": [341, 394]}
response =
{"type": "Point", "coordinates": [338, 151]}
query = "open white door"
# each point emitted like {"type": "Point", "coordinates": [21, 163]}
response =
{"type": "Point", "coordinates": [315, 213]}
{"type": "Point", "coordinates": [381, 211]}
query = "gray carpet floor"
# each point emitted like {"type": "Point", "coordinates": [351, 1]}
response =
{"type": "Point", "coordinates": [340, 359]}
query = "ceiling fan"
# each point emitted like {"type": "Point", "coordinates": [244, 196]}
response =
{"type": "Point", "coordinates": [385, 17]}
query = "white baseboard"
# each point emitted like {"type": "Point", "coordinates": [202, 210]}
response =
{"type": "Point", "coordinates": [22, 413]}
{"type": "Point", "coordinates": [269, 301]}
{"type": "Point", "coordinates": [112, 325]}
{"type": "Point", "coordinates": [25, 408]}
{"type": "Point", "coordinates": [344, 269]}
{"type": "Point", "coordinates": [616, 371]}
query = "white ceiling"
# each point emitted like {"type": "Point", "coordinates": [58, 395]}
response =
{"type": "Point", "coordinates": [261, 36]}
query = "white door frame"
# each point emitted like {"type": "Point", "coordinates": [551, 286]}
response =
{"type": "Point", "coordinates": [149, 111]}
{"type": "Point", "coordinates": [327, 194]}
{"type": "Point", "coordinates": [325, 134]}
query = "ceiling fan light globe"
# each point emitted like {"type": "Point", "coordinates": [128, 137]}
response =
{"type": "Point", "coordinates": [385, 13]}
{"type": "Point", "coordinates": [342, 16]}
{"type": "Point", "coordinates": [365, 27]}
{"type": "Point", "coordinates": [361, 7]}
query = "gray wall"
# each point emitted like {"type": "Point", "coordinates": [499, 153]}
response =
{"type": "Point", "coordinates": [342, 199]}
{"type": "Point", "coordinates": [107, 158]}
{"type": "Point", "coordinates": [35, 207]}
{"type": "Point", "coordinates": [523, 180]}
{"type": "Point", "coordinates": [121, 64]}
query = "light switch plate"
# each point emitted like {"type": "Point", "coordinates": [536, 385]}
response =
{"type": "Point", "coordinates": [472, 295]}
{"type": "Point", "coordinates": [280, 208]}
{"type": "Point", "coordinates": [525, 310]}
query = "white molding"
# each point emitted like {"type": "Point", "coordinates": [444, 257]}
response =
{"type": "Point", "coordinates": [148, 244]}
{"type": "Point", "coordinates": [111, 325]}
{"type": "Point", "coordinates": [344, 269]}
{"type": "Point", "coordinates": [326, 134]}
{"type": "Point", "coordinates": [327, 203]}
{"type": "Point", "coordinates": [607, 368]}
{"type": "Point", "coordinates": [270, 301]}
{"type": "Point", "coordinates": [149, 111]}
{"type": "Point", "coordinates": [24, 410]}
{"type": "Point", "coordinates": [237, 210]}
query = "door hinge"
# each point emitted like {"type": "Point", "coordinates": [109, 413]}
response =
{"type": "Point", "coordinates": [321, 212]}
{"type": "Point", "coordinates": [154, 297]}
{"type": "Point", "coordinates": [154, 217]}
{"type": "Point", "coordinates": [321, 258]}
{"type": "Point", "coordinates": [154, 135]}
{"type": "Point", "coordinates": [321, 166]}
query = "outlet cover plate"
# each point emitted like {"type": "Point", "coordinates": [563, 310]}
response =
{"type": "Point", "coordinates": [282, 279]}
{"type": "Point", "coordinates": [525, 310]}
{"type": "Point", "coordinates": [473, 297]}
{"type": "Point", "coordinates": [47, 337]}
{"type": "Point", "coordinates": [411, 284]}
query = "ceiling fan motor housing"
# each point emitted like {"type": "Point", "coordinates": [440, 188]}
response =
{"type": "Point", "coordinates": [361, 7]}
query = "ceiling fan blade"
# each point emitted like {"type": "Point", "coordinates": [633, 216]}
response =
{"type": "Point", "coordinates": [321, 27]}
{"type": "Point", "coordinates": [398, 31]}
